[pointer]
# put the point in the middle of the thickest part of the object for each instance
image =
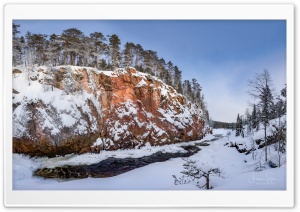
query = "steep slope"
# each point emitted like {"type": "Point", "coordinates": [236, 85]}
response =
{"type": "Point", "coordinates": [69, 109]}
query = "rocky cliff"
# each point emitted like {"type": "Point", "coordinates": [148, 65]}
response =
{"type": "Point", "coordinates": [69, 109]}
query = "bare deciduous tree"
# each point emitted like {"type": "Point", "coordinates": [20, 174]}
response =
{"type": "Point", "coordinates": [261, 90]}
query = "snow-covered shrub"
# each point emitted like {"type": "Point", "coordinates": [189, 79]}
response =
{"type": "Point", "coordinates": [199, 172]}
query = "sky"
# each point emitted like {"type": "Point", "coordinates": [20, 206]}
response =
{"type": "Point", "coordinates": [221, 54]}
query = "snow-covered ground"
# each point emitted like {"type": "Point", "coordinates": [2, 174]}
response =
{"type": "Point", "coordinates": [237, 169]}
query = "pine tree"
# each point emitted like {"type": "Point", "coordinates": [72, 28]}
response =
{"type": "Point", "coordinates": [85, 54]}
{"type": "Point", "coordinates": [170, 74]}
{"type": "Point", "coordinates": [237, 126]}
{"type": "Point", "coordinates": [29, 51]}
{"type": "Point", "coordinates": [103, 65]}
{"type": "Point", "coordinates": [187, 90]}
{"type": "Point", "coordinates": [71, 44]}
{"type": "Point", "coordinates": [179, 89]}
{"type": "Point", "coordinates": [40, 43]}
{"type": "Point", "coordinates": [196, 90]}
{"type": "Point", "coordinates": [162, 68]}
{"type": "Point", "coordinates": [147, 61]}
{"type": "Point", "coordinates": [248, 121]}
{"type": "Point", "coordinates": [241, 127]}
{"type": "Point", "coordinates": [177, 79]}
{"type": "Point", "coordinates": [151, 62]}
{"type": "Point", "coordinates": [280, 108]}
{"type": "Point", "coordinates": [254, 118]}
{"type": "Point", "coordinates": [99, 48]}
{"type": "Point", "coordinates": [54, 49]}
{"type": "Point", "coordinates": [283, 94]}
{"type": "Point", "coordinates": [128, 54]}
{"type": "Point", "coordinates": [138, 51]}
{"type": "Point", "coordinates": [17, 48]}
{"type": "Point", "coordinates": [23, 50]}
{"type": "Point", "coordinates": [114, 51]}
{"type": "Point", "coordinates": [258, 118]}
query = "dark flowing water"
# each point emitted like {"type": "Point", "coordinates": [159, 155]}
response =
{"type": "Point", "coordinates": [111, 166]}
{"type": "Point", "coordinates": [114, 166]}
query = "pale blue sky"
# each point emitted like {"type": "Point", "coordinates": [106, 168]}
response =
{"type": "Point", "coordinates": [221, 55]}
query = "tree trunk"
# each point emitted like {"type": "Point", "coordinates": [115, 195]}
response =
{"type": "Point", "coordinates": [279, 143]}
{"type": "Point", "coordinates": [207, 182]}
{"type": "Point", "coordinates": [266, 146]}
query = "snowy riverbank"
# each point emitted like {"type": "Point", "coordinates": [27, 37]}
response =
{"type": "Point", "coordinates": [237, 169]}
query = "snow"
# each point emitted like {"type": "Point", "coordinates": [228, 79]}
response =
{"type": "Point", "coordinates": [67, 120]}
{"type": "Point", "coordinates": [182, 119]}
{"type": "Point", "coordinates": [98, 142]}
{"type": "Point", "coordinates": [58, 109]}
{"type": "Point", "coordinates": [109, 73]}
{"type": "Point", "coordinates": [237, 169]}
{"type": "Point", "coordinates": [140, 124]}
{"type": "Point", "coordinates": [141, 83]}
{"type": "Point", "coordinates": [127, 109]}
{"type": "Point", "coordinates": [164, 91]}
{"type": "Point", "coordinates": [270, 179]}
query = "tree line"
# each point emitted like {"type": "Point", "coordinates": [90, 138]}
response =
{"type": "Point", "coordinates": [220, 124]}
{"type": "Point", "coordinates": [73, 47]}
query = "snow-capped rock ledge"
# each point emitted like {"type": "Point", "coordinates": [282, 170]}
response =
{"type": "Point", "coordinates": [69, 109]}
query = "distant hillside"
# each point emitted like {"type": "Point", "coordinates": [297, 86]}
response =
{"type": "Point", "coordinates": [225, 125]}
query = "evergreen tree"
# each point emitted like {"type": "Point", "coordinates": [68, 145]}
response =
{"type": "Point", "coordinates": [248, 121]}
{"type": "Point", "coordinates": [29, 50]}
{"type": "Point", "coordinates": [114, 51]}
{"type": "Point", "coordinates": [71, 45]}
{"type": "Point", "coordinates": [254, 118]}
{"type": "Point", "coordinates": [23, 50]}
{"type": "Point", "coordinates": [15, 30]}
{"type": "Point", "coordinates": [187, 90]}
{"type": "Point", "coordinates": [54, 49]}
{"type": "Point", "coordinates": [162, 68]}
{"type": "Point", "coordinates": [138, 51]}
{"type": "Point", "coordinates": [237, 126]}
{"type": "Point", "coordinates": [103, 65]}
{"type": "Point", "coordinates": [241, 126]}
{"type": "Point", "coordinates": [39, 45]}
{"type": "Point", "coordinates": [258, 118]}
{"type": "Point", "coordinates": [85, 54]}
{"type": "Point", "coordinates": [179, 89]}
{"type": "Point", "coordinates": [283, 94]}
{"type": "Point", "coordinates": [267, 104]}
{"type": "Point", "coordinates": [196, 90]}
{"type": "Point", "coordinates": [128, 54]}
{"type": "Point", "coordinates": [151, 62]}
{"type": "Point", "coordinates": [99, 48]}
{"type": "Point", "coordinates": [280, 107]}
{"type": "Point", "coordinates": [170, 74]}
{"type": "Point", "coordinates": [17, 48]}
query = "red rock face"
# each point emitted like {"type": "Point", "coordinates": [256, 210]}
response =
{"type": "Point", "coordinates": [126, 109]}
